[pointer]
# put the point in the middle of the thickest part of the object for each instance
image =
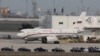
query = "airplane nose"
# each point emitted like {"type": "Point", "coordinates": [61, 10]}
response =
{"type": "Point", "coordinates": [20, 35]}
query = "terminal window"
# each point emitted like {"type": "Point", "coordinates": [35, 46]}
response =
{"type": "Point", "coordinates": [60, 22]}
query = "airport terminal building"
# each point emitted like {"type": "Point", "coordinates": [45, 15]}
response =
{"type": "Point", "coordinates": [90, 25]}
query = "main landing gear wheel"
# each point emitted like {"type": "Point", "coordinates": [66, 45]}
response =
{"type": "Point", "coordinates": [44, 40]}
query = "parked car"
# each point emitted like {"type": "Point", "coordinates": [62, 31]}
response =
{"type": "Point", "coordinates": [97, 51]}
{"type": "Point", "coordinates": [40, 49]}
{"type": "Point", "coordinates": [93, 49]}
{"type": "Point", "coordinates": [7, 49]}
{"type": "Point", "coordinates": [58, 50]}
{"type": "Point", "coordinates": [76, 49]}
{"type": "Point", "coordinates": [24, 49]}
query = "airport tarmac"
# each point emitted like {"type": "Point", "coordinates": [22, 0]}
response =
{"type": "Point", "coordinates": [17, 43]}
{"type": "Point", "coordinates": [5, 34]}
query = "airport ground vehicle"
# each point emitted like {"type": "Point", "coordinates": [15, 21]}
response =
{"type": "Point", "coordinates": [58, 50]}
{"type": "Point", "coordinates": [7, 49]}
{"type": "Point", "coordinates": [24, 49]}
{"type": "Point", "coordinates": [40, 49]}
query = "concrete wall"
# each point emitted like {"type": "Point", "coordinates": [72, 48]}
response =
{"type": "Point", "coordinates": [68, 22]}
{"type": "Point", "coordinates": [59, 22]}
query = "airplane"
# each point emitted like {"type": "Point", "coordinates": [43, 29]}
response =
{"type": "Point", "coordinates": [47, 35]}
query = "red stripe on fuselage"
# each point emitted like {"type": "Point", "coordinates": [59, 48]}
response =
{"type": "Point", "coordinates": [51, 34]}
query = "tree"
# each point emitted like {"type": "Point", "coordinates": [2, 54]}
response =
{"type": "Point", "coordinates": [26, 25]}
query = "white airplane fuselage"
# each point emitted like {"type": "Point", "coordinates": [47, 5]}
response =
{"type": "Point", "coordinates": [33, 33]}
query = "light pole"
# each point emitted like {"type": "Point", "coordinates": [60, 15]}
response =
{"type": "Point", "coordinates": [54, 9]}
{"type": "Point", "coordinates": [0, 3]}
{"type": "Point", "coordinates": [82, 5]}
{"type": "Point", "coordinates": [54, 3]}
{"type": "Point", "coordinates": [26, 8]}
{"type": "Point", "coordinates": [34, 2]}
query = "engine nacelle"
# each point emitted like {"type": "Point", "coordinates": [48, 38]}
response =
{"type": "Point", "coordinates": [50, 39]}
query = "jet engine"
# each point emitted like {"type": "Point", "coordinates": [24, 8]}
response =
{"type": "Point", "coordinates": [50, 39]}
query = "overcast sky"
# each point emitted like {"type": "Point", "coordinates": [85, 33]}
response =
{"type": "Point", "coordinates": [69, 5]}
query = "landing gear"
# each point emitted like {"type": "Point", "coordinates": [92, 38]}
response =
{"type": "Point", "coordinates": [25, 40]}
{"type": "Point", "coordinates": [44, 40]}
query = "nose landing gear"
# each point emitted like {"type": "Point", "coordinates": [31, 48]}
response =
{"type": "Point", "coordinates": [25, 40]}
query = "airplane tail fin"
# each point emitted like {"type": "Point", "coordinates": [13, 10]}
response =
{"type": "Point", "coordinates": [79, 23]}
{"type": "Point", "coordinates": [83, 14]}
